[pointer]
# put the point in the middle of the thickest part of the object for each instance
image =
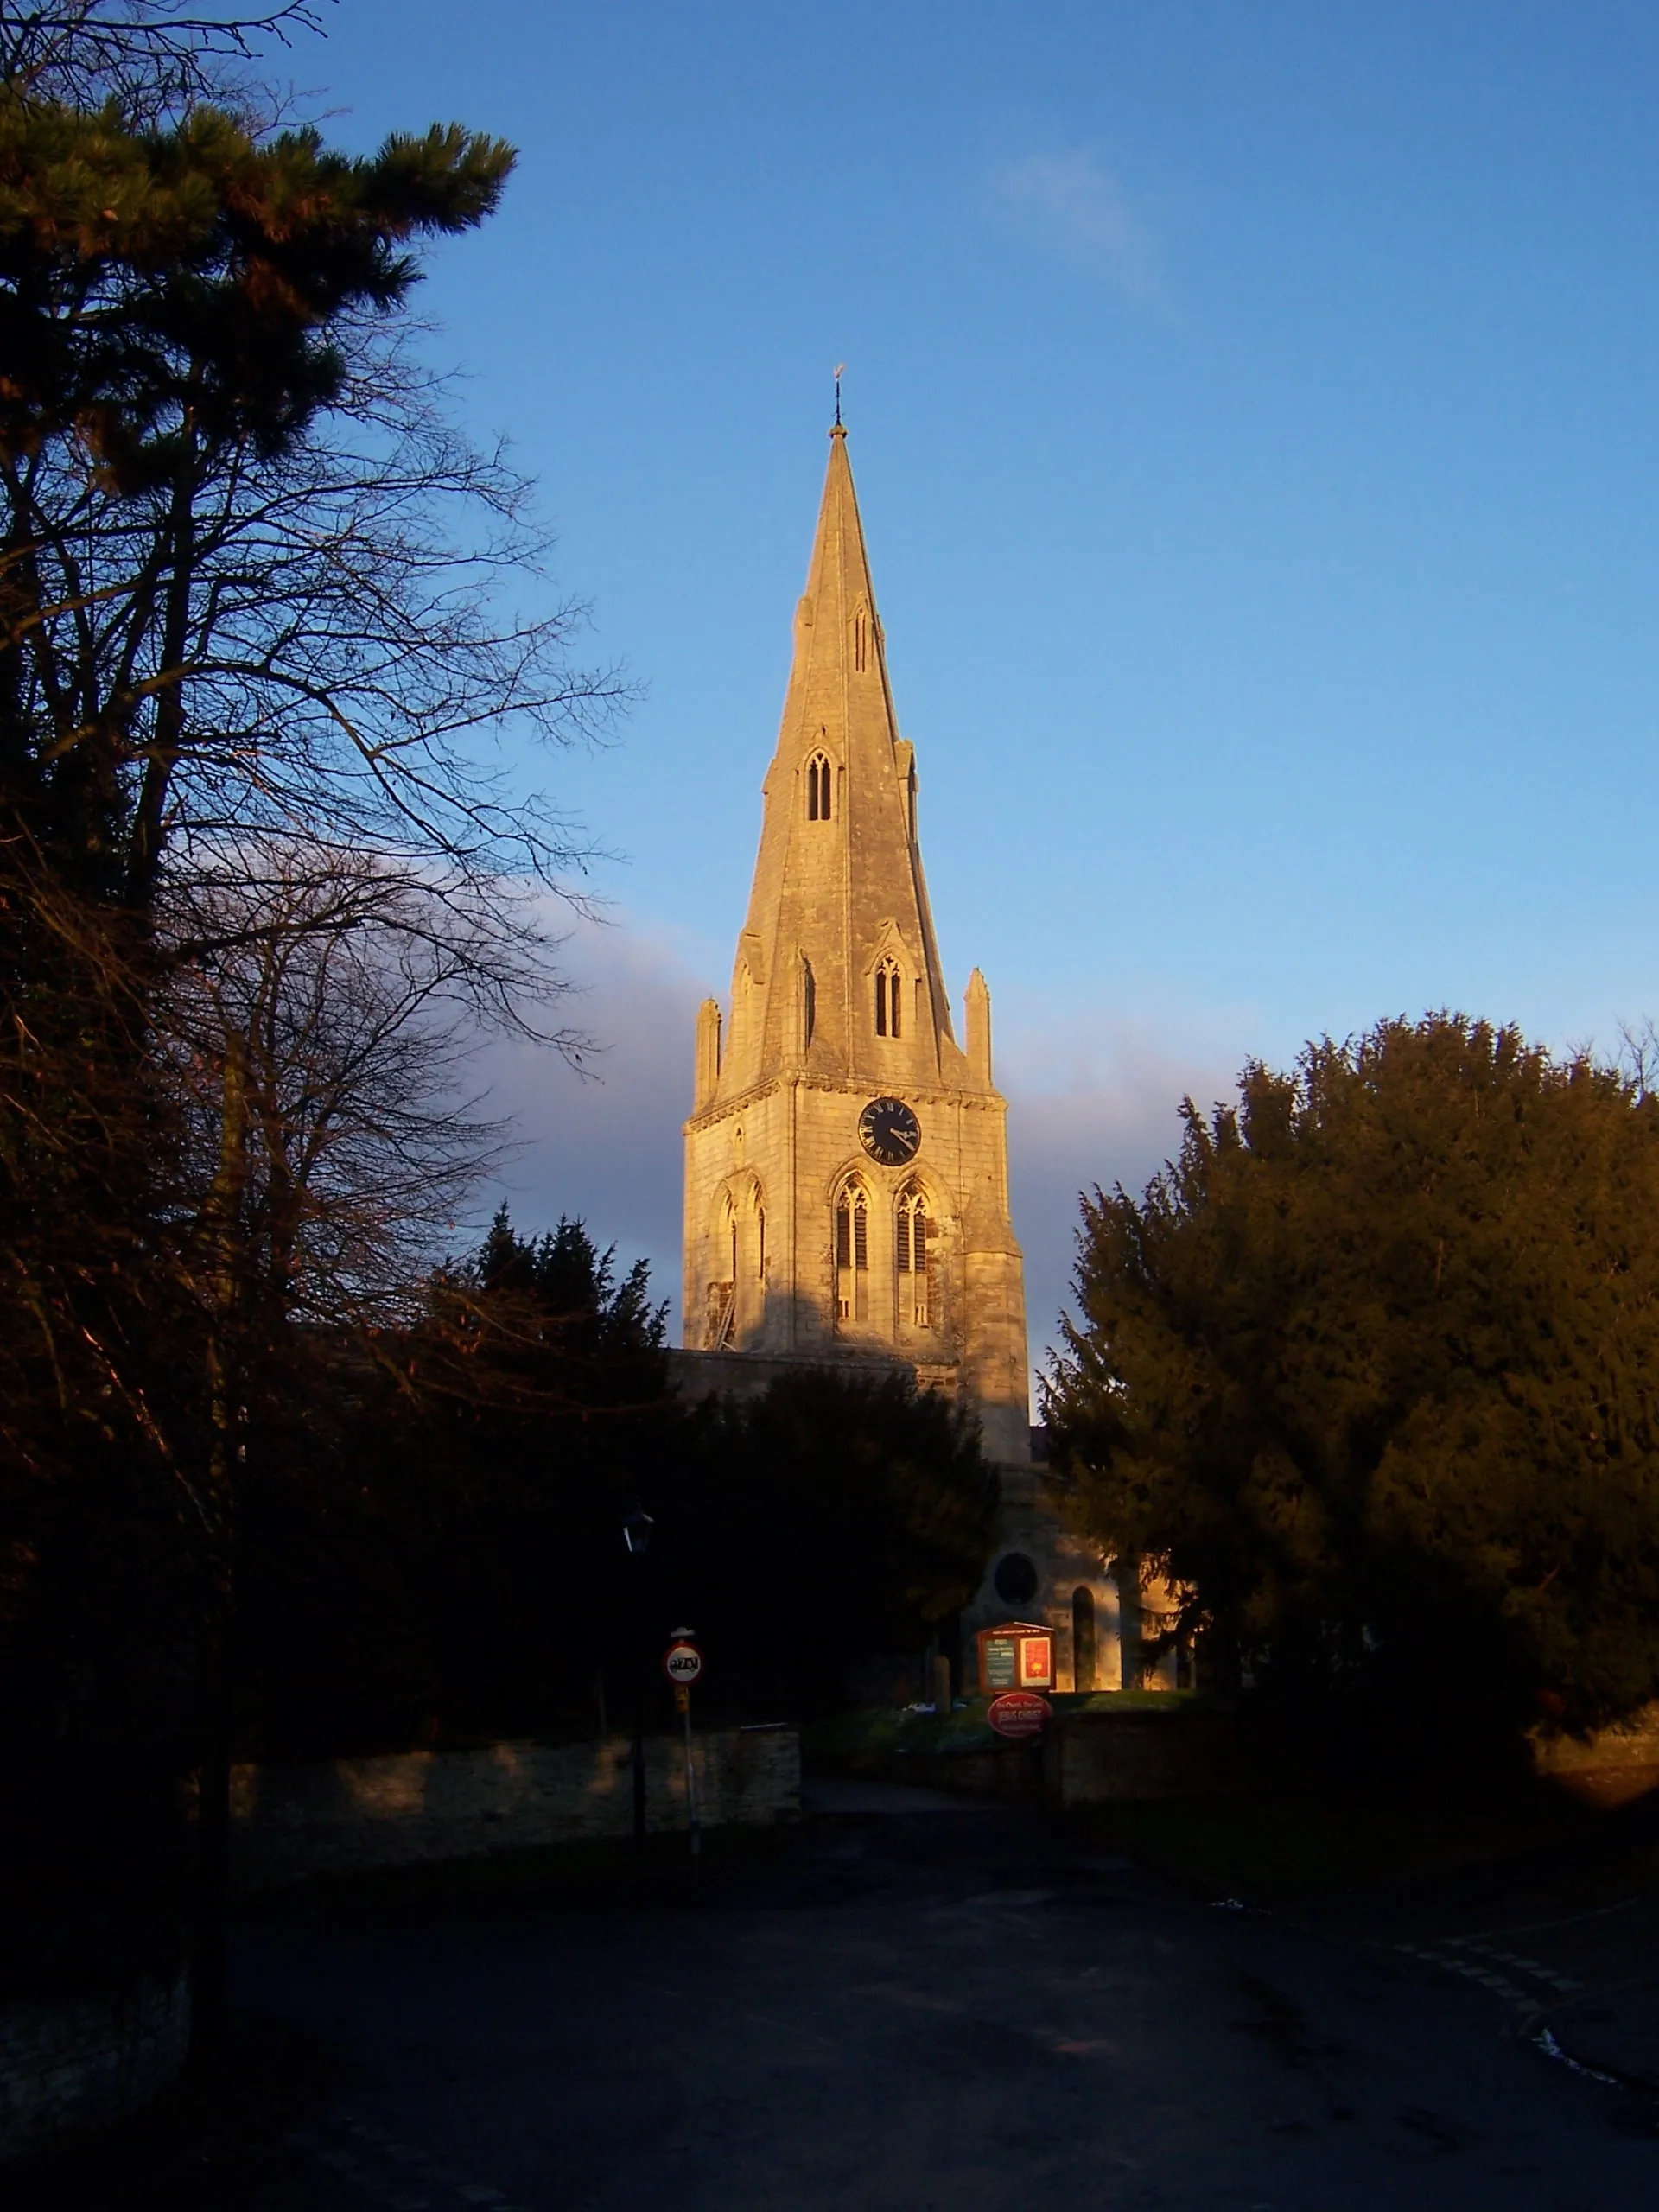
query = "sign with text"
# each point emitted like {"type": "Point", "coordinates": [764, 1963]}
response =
{"type": "Point", "coordinates": [1019, 1713]}
{"type": "Point", "coordinates": [683, 1663]}
{"type": "Point", "coordinates": [1015, 1655]}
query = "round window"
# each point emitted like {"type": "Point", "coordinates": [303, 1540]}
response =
{"type": "Point", "coordinates": [1015, 1579]}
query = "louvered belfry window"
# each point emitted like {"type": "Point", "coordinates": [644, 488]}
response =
{"type": "Point", "coordinates": [852, 1255]}
{"type": "Point", "coordinates": [914, 1276]}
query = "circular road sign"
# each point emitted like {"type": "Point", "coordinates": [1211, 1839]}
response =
{"type": "Point", "coordinates": [1020, 1713]}
{"type": "Point", "coordinates": [683, 1663]}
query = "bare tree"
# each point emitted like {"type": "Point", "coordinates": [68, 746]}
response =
{"type": "Point", "coordinates": [151, 56]}
{"type": "Point", "coordinates": [321, 1031]}
{"type": "Point", "coordinates": [265, 617]}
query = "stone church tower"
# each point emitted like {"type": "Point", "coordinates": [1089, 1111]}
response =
{"type": "Point", "coordinates": [846, 1159]}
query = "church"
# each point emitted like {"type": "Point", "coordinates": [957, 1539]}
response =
{"type": "Point", "coordinates": [846, 1157]}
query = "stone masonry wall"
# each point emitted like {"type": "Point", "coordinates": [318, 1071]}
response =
{"type": "Point", "coordinates": [71, 2064]}
{"type": "Point", "coordinates": [409, 1808]}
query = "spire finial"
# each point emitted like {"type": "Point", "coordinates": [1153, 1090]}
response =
{"type": "Point", "coordinates": [840, 368]}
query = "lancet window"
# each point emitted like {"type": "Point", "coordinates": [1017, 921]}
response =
{"type": "Point", "coordinates": [809, 1001]}
{"type": "Point", "coordinates": [853, 1254]}
{"type": "Point", "coordinates": [721, 1321]}
{"type": "Point", "coordinates": [913, 1262]}
{"type": "Point", "coordinates": [889, 999]}
{"type": "Point", "coordinates": [818, 788]}
{"type": "Point", "coordinates": [860, 640]}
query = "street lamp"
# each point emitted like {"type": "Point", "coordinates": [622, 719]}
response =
{"type": "Point", "coordinates": [636, 1537]}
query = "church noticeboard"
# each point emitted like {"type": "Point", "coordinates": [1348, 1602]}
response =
{"type": "Point", "coordinates": [1015, 1655]}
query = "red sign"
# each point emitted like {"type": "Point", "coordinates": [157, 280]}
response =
{"type": "Point", "coordinates": [683, 1663]}
{"type": "Point", "coordinates": [1020, 1713]}
{"type": "Point", "coordinates": [1036, 1662]}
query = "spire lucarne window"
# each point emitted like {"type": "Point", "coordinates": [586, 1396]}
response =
{"type": "Point", "coordinates": [889, 999]}
{"type": "Point", "coordinates": [818, 788]}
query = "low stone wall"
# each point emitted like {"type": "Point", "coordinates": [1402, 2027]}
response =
{"type": "Point", "coordinates": [71, 2064]}
{"type": "Point", "coordinates": [1615, 1766]}
{"type": "Point", "coordinates": [1091, 1758]}
{"type": "Point", "coordinates": [340, 1816]}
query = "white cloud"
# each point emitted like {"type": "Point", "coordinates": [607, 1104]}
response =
{"type": "Point", "coordinates": [1094, 1097]}
{"type": "Point", "coordinates": [605, 1145]}
{"type": "Point", "coordinates": [1071, 205]}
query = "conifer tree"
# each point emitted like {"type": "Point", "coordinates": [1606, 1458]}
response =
{"type": "Point", "coordinates": [1372, 1369]}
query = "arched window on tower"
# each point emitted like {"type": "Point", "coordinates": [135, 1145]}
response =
{"type": "Point", "coordinates": [889, 999]}
{"type": "Point", "coordinates": [721, 1318]}
{"type": "Point", "coordinates": [760, 1241]}
{"type": "Point", "coordinates": [809, 1002]}
{"type": "Point", "coordinates": [852, 1255]}
{"type": "Point", "coordinates": [860, 640]}
{"type": "Point", "coordinates": [818, 788]}
{"type": "Point", "coordinates": [913, 1262]}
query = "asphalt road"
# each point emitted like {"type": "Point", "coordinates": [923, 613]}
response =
{"type": "Point", "coordinates": [961, 2011]}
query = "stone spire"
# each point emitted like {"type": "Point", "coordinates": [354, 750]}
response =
{"type": "Point", "coordinates": [839, 901]}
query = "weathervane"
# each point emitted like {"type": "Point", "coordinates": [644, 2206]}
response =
{"type": "Point", "coordinates": [840, 365]}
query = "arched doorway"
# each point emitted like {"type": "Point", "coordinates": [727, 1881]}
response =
{"type": "Point", "coordinates": [1084, 1640]}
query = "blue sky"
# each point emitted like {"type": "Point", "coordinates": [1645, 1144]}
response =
{"type": "Point", "coordinates": [1253, 416]}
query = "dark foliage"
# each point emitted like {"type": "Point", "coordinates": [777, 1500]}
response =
{"type": "Point", "coordinates": [247, 573]}
{"type": "Point", "coordinates": [445, 1561]}
{"type": "Point", "coordinates": [1372, 1369]}
{"type": "Point", "coordinates": [833, 1520]}
{"type": "Point", "coordinates": [440, 1567]}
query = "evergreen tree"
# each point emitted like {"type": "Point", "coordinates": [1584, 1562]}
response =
{"type": "Point", "coordinates": [1372, 1371]}
{"type": "Point", "coordinates": [835, 1519]}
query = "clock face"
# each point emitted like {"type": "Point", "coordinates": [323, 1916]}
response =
{"type": "Point", "coordinates": [889, 1131]}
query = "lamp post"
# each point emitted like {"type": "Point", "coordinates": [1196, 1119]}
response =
{"type": "Point", "coordinates": [636, 1536]}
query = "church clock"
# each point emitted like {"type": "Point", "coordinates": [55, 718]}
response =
{"type": "Point", "coordinates": [889, 1131]}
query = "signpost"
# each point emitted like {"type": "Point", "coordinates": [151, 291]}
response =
{"type": "Point", "coordinates": [682, 1664]}
{"type": "Point", "coordinates": [1021, 1714]}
